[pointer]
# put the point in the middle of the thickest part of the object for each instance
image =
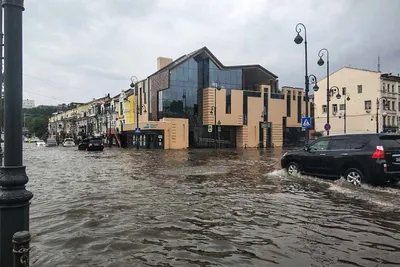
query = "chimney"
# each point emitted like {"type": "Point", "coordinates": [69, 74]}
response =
{"type": "Point", "coordinates": [162, 62]}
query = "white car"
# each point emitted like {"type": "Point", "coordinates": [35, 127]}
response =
{"type": "Point", "coordinates": [69, 142]}
{"type": "Point", "coordinates": [40, 143]}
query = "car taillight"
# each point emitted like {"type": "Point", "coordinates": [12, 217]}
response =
{"type": "Point", "coordinates": [90, 145]}
{"type": "Point", "coordinates": [379, 153]}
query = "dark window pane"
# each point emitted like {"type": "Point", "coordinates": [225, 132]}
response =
{"type": "Point", "coordinates": [320, 145]}
{"type": "Point", "coordinates": [357, 143]}
{"type": "Point", "coordinates": [338, 144]}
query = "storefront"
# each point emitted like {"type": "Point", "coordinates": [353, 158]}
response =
{"type": "Point", "coordinates": [168, 133]}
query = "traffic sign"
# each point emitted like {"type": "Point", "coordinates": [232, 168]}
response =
{"type": "Point", "coordinates": [327, 127]}
{"type": "Point", "coordinates": [219, 128]}
{"type": "Point", "coordinates": [306, 122]}
{"type": "Point", "coordinates": [210, 128]}
{"type": "Point", "coordinates": [137, 131]}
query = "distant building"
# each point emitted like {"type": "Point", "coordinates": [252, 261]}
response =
{"type": "Point", "coordinates": [28, 103]}
{"type": "Point", "coordinates": [362, 93]}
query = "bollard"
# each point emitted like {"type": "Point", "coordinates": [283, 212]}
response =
{"type": "Point", "coordinates": [21, 248]}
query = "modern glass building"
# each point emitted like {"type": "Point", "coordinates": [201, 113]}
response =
{"type": "Point", "coordinates": [177, 91]}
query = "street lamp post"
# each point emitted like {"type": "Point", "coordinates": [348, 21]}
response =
{"type": "Point", "coordinates": [134, 85]}
{"type": "Point", "coordinates": [14, 198]}
{"type": "Point", "coordinates": [217, 87]}
{"type": "Point", "coordinates": [299, 40]}
{"type": "Point", "coordinates": [384, 114]}
{"type": "Point", "coordinates": [334, 90]}
{"type": "Point", "coordinates": [219, 134]}
{"type": "Point", "coordinates": [345, 100]}
{"type": "Point", "coordinates": [321, 63]}
{"type": "Point", "coordinates": [385, 104]}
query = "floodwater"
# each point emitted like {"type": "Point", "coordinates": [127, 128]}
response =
{"type": "Point", "coordinates": [201, 208]}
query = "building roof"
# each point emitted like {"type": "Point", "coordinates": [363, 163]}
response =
{"type": "Point", "coordinates": [389, 76]}
{"type": "Point", "coordinates": [204, 52]}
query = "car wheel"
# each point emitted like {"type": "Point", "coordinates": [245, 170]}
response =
{"type": "Point", "coordinates": [354, 176]}
{"type": "Point", "coordinates": [293, 168]}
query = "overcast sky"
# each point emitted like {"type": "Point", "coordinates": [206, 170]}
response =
{"type": "Point", "coordinates": [76, 50]}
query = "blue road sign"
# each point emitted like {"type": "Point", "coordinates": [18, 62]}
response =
{"type": "Point", "coordinates": [327, 127]}
{"type": "Point", "coordinates": [137, 131]}
{"type": "Point", "coordinates": [306, 123]}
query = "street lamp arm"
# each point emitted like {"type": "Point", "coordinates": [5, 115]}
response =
{"type": "Point", "coordinates": [298, 29]}
{"type": "Point", "coordinates": [321, 53]}
{"type": "Point", "coordinates": [312, 79]}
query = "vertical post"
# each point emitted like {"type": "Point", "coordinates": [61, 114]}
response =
{"type": "Point", "coordinates": [1, 84]}
{"type": "Point", "coordinates": [345, 113]}
{"type": "Point", "coordinates": [21, 248]}
{"type": "Point", "coordinates": [14, 198]}
{"type": "Point", "coordinates": [328, 97]}
{"type": "Point", "coordinates": [215, 117]}
{"type": "Point", "coordinates": [307, 83]}
{"type": "Point", "coordinates": [377, 116]}
{"type": "Point", "coordinates": [137, 115]}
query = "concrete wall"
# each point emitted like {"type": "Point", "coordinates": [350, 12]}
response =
{"type": "Point", "coordinates": [359, 120]}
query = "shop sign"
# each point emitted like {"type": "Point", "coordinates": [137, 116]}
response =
{"type": "Point", "coordinates": [150, 126]}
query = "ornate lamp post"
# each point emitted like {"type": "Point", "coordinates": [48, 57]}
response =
{"type": "Point", "coordinates": [217, 87]}
{"type": "Point", "coordinates": [299, 40]}
{"type": "Point", "coordinates": [134, 85]}
{"type": "Point", "coordinates": [14, 198]}
{"type": "Point", "coordinates": [385, 106]}
{"type": "Point", "coordinates": [321, 63]}
{"type": "Point", "coordinates": [345, 100]}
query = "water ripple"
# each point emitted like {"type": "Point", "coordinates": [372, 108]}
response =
{"type": "Point", "coordinates": [201, 208]}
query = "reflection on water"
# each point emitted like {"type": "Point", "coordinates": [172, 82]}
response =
{"type": "Point", "coordinates": [201, 208]}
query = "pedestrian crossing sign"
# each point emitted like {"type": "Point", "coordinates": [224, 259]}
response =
{"type": "Point", "coordinates": [306, 123]}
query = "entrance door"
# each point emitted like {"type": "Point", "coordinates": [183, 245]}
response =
{"type": "Point", "coordinates": [269, 136]}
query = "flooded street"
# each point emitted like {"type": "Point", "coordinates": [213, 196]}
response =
{"type": "Point", "coordinates": [201, 208]}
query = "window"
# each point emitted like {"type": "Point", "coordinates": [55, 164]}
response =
{"type": "Point", "coordinates": [338, 144]}
{"type": "Point", "coordinates": [121, 108]}
{"type": "Point", "coordinates": [343, 91]}
{"type": "Point", "coordinates": [393, 88]}
{"type": "Point", "coordinates": [399, 105]}
{"type": "Point", "coordinates": [323, 108]}
{"type": "Point", "coordinates": [294, 96]}
{"type": "Point", "coordinates": [384, 87]}
{"type": "Point", "coordinates": [393, 105]}
{"type": "Point", "coordinates": [388, 87]}
{"type": "Point", "coordinates": [393, 123]}
{"type": "Point", "coordinates": [359, 89]}
{"type": "Point", "coordinates": [320, 145]}
{"type": "Point", "coordinates": [334, 108]}
{"type": "Point", "coordinates": [357, 142]}
{"type": "Point", "coordinates": [342, 106]}
{"type": "Point", "coordinates": [398, 89]}
{"type": "Point", "coordinates": [367, 104]}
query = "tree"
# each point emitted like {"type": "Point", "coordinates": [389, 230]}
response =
{"type": "Point", "coordinates": [37, 125]}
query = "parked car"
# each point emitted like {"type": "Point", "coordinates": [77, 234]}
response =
{"type": "Point", "coordinates": [359, 158]}
{"type": "Point", "coordinates": [68, 142]}
{"type": "Point", "coordinates": [40, 143]}
{"type": "Point", "coordinates": [91, 144]}
{"type": "Point", "coordinates": [51, 142]}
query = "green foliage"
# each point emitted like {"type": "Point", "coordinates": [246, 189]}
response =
{"type": "Point", "coordinates": [37, 125]}
{"type": "Point", "coordinates": [37, 119]}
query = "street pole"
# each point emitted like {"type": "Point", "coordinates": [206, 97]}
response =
{"type": "Point", "coordinates": [137, 115]}
{"type": "Point", "coordinates": [328, 98]}
{"type": "Point", "coordinates": [215, 117]}
{"type": "Point", "coordinates": [14, 198]}
{"type": "Point", "coordinates": [1, 84]}
{"type": "Point", "coordinates": [345, 114]}
{"type": "Point", "coordinates": [299, 40]}
{"type": "Point", "coordinates": [376, 117]}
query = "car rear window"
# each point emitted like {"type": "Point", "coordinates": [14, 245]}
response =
{"type": "Point", "coordinates": [96, 141]}
{"type": "Point", "coordinates": [389, 141]}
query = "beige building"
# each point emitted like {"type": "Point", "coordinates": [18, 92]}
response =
{"type": "Point", "coordinates": [359, 90]}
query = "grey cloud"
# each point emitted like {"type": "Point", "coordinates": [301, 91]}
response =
{"type": "Point", "coordinates": [96, 46]}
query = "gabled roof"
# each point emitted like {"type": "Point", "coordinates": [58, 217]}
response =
{"type": "Point", "coordinates": [206, 52]}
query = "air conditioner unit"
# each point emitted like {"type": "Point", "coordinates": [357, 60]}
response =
{"type": "Point", "coordinates": [368, 110]}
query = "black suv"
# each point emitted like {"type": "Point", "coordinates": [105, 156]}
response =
{"type": "Point", "coordinates": [91, 144]}
{"type": "Point", "coordinates": [359, 158]}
